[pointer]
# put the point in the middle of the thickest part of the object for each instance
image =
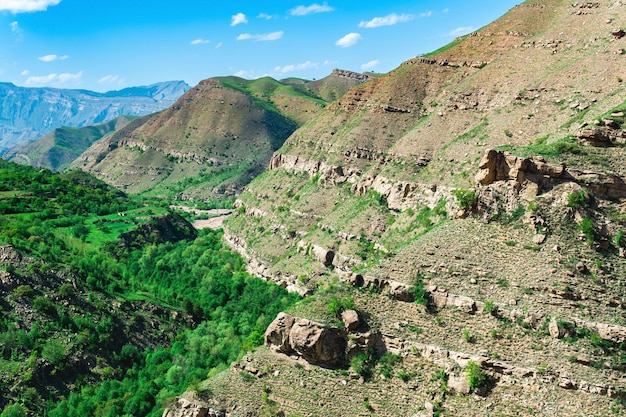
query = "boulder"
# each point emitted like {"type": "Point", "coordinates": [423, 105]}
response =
{"type": "Point", "coordinates": [459, 384]}
{"type": "Point", "coordinates": [351, 319]}
{"type": "Point", "coordinates": [277, 333]}
{"type": "Point", "coordinates": [317, 343]}
{"type": "Point", "coordinates": [325, 256]}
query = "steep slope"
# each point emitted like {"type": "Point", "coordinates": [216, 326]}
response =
{"type": "Point", "coordinates": [212, 141]}
{"type": "Point", "coordinates": [402, 189]}
{"type": "Point", "coordinates": [59, 148]}
{"type": "Point", "coordinates": [29, 113]}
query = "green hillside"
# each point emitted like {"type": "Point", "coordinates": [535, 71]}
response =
{"type": "Point", "coordinates": [58, 149]}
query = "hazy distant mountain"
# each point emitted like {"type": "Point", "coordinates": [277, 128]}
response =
{"type": "Point", "coordinates": [59, 148]}
{"type": "Point", "coordinates": [29, 113]}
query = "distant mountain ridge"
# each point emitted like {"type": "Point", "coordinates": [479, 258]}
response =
{"type": "Point", "coordinates": [29, 113]}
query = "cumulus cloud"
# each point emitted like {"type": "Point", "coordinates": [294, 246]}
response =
{"type": "Point", "coordinates": [238, 19]}
{"type": "Point", "coordinates": [199, 41]}
{"type": "Point", "coordinates": [53, 80]}
{"type": "Point", "coordinates": [348, 40]}
{"type": "Point", "coordinates": [21, 6]}
{"type": "Point", "coordinates": [463, 30]}
{"type": "Point", "coordinates": [296, 67]}
{"type": "Point", "coordinates": [388, 20]}
{"type": "Point", "coordinates": [17, 31]}
{"type": "Point", "coordinates": [368, 66]}
{"type": "Point", "coordinates": [111, 79]}
{"type": "Point", "coordinates": [314, 8]}
{"type": "Point", "coordinates": [52, 57]}
{"type": "Point", "coordinates": [274, 36]}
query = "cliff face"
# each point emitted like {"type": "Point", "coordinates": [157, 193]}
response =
{"type": "Point", "coordinates": [29, 113]}
{"type": "Point", "coordinates": [492, 173]}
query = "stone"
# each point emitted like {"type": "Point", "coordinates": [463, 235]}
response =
{"type": "Point", "coordinates": [317, 343]}
{"type": "Point", "coordinates": [459, 384]}
{"type": "Point", "coordinates": [351, 319]}
{"type": "Point", "coordinates": [581, 268]}
{"type": "Point", "coordinates": [325, 256]}
{"type": "Point", "coordinates": [277, 333]}
{"type": "Point", "coordinates": [539, 239]}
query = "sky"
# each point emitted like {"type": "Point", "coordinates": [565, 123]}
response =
{"type": "Point", "coordinates": [104, 45]}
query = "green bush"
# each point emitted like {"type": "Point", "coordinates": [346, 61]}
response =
{"type": "Point", "coordinates": [577, 199]}
{"type": "Point", "coordinates": [586, 226]}
{"type": "Point", "coordinates": [336, 305]}
{"type": "Point", "coordinates": [466, 198]}
{"type": "Point", "coordinates": [418, 290]}
{"type": "Point", "coordinates": [475, 376]}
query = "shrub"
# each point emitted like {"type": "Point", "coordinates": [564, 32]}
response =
{"type": "Point", "coordinates": [476, 377]}
{"type": "Point", "coordinates": [466, 198]}
{"type": "Point", "coordinates": [419, 292]}
{"type": "Point", "coordinates": [337, 305]}
{"type": "Point", "coordinates": [586, 226]}
{"type": "Point", "coordinates": [24, 291]}
{"type": "Point", "coordinates": [577, 199]}
{"type": "Point", "coordinates": [467, 336]}
{"type": "Point", "coordinates": [43, 305]}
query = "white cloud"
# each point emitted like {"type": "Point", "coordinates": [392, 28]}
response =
{"type": "Point", "coordinates": [314, 8]}
{"type": "Point", "coordinates": [24, 73]}
{"type": "Point", "coordinates": [446, 10]}
{"type": "Point", "coordinates": [463, 30]}
{"type": "Point", "coordinates": [426, 14]}
{"type": "Point", "coordinates": [241, 74]}
{"type": "Point", "coordinates": [368, 66]}
{"type": "Point", "coordinates": [17, 30]}
{"type": "Point", "coordinates": [53, 79]}
{"type": "Point", "coordinates": [111, 79]}
{"type": "Point", "coordinates": [239, 19]}
{"type": "Point", "coordinates": [199, 41]}
{"type": "Point", "coordinates": [20, 6]}
{"type": "Point", "coordinates": [52, 57]}
{"type": "Point", "coordinates": [219, 45]}
{"type": "Point", "coordinates": [388, 20]}
{"type": "Point", "coordinates": [274, 36]}
{"type": "Point", "coordinates": [265, 16]}
{"type": "Point", "coordinates": [296, 67]}
{"type": "Point", "coordinates": [348, 40]}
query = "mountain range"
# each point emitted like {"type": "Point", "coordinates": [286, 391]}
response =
{"type": "Point", "coordinates": [29, 113]}
{"type": "Point", "coordinates": [215, 138]}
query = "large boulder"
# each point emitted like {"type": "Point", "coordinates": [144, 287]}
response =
{"type": "Point", "coordinates": [313, 341]}
{"type": "Point", "coordinates": [317, 343]}
{"type": "Point", "coordinates": [277, 333]}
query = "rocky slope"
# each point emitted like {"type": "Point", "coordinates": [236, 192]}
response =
{"type": "Point", "coordinates": [486, 182]}
{"type": "Point", "coordinates": [30, 113]}
{"type": "Point", "coordinates": [59, 148]}
{"type": "Point", "coordinates": [215, 139]}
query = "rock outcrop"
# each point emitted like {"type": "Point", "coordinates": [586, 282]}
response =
{"type": "Point", "coordinates": [313, 341]}
{"type": "Point", "coordinates": [531, 177]}
{"type": "Point", "coordinates": [319, 343]}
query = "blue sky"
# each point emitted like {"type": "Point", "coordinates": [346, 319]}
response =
{"type": "Point", "coordinates": [106, 45]}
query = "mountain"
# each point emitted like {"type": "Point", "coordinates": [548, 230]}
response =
{"type": "Point", "coordinates": [214, 139]}
{"type": "Point", "coordinates": [63, 145]}
{"type": "Point", "coordinates": [457, 225]}
{"type": "Point", "coordinates": [29, 113]}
